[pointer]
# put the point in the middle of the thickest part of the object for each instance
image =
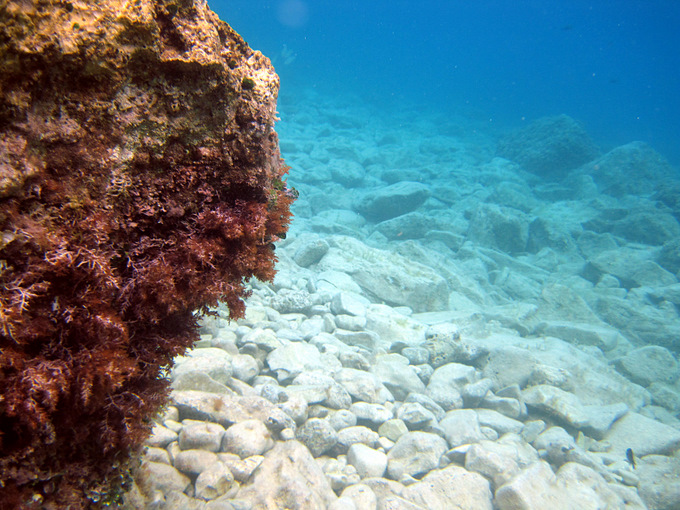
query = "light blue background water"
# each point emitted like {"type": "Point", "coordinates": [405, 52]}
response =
{"type": "Point", "coordinates": [612, 64]}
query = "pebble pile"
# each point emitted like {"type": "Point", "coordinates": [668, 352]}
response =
{"type": "Point", "coordinates": [322, 399]}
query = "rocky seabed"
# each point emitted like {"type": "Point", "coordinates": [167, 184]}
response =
{"type": "Point", "coordinates": [446, 330]}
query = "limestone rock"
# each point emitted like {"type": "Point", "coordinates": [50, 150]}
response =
{"type": "Point", "coordinates": [363, 386]}
{"type": "Point", "coordinates": [634, 168]}
{"type": "Point", "coordinates": [451, 486]}
{"type": "Point", "coordinates": [643, 435]}
{"type": "Point", "coordinates": [500, 228]}
{"type": "Point", "coordinates": [201, 435]}
{"type": "Point", "coordinates": [289, 361]}
{"type": "Point", "coordinates": [574, 486]}
{"type": "Point", "coordinates": [658, 486]}
{"type": "Point", "coordinates": [247, 438]}
{"type": "Point", "coordinates": [163, 477]}
{"type": "Point", "coordinates": [393, 200]}
{"type": "Point", "coordinates": [394, 371]}
{"type": "Point", "coordinates": [213, 362]}
{"type": "Point", "coordinates": [649, 364]}
{"type": "Point", "coordinates": [215, 481]}
{"type": "Point", "coordinates": [461, 426]}
{"type": "Point", "coordinates": [367, 461]}
{"type": "Point", "coordinates": [549, 146]}
{"type": "Point", "coordinates": [387, 276]}
{"type": "Point", "coordinates": [194, 462]}
{"type": "Point", "coordinates": [415, 453]}
{"type": "Point", "coordinates": [288, 477]}
{"type": "Point", "coordinates": [559, 403]}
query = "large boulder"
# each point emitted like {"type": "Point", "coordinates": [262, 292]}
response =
{"type": "Point", "coordinates": [550, 146]}
{"type": "Point", "coordinates": [288, 477]}
{"type": "Point", "coordinates": [140, 181]}
{"type": "Point", "coordinates": [394, 200]}
{"type": "Point", "coordinates": [387, 276]}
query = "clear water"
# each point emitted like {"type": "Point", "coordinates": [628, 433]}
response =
{"type": "Point", "coordinates": [613, 65]}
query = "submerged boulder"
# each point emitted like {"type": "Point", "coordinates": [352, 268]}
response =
{"type": "Point", "coordinates": [140, 180]}
{"type": "Point", "coordinates": [550, 146]}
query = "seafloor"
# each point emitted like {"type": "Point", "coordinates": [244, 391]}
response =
{"type": "Point", "coordinates": [461, 319]}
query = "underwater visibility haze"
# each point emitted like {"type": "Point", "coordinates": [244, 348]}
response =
{"type": "Point", "coordinates": [476, 300]}
{"type": "Point", "coordinates": [612, 65]}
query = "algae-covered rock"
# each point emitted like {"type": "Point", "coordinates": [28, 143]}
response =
{"type": "Point", "coordinates": [140, 181]}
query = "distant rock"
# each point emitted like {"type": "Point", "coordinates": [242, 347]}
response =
{"type": "Point", "coordinates": [550, 146]}
{"type": "Point", "coordinates": [388, 276]}
{"type": "Point", "coordinates": [393, 200]}
{"type": "Point", "coordinates": [347, 172]}
{"type": "Point", "coordinates": [498, 227]}
{"type": "Point", "coordinates": [649, 364]}
{"type": "Point", "coordinates": [413, 225]}
{"type": "Point", "coordinates": [634, 168]}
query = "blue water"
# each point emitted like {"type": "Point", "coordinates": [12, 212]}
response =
{"type": "Point", "coordinates": [614, 65]}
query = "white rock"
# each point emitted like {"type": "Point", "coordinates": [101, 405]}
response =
{"type": "Point", "coordinates": [461, 426]}
{"type": "Point", "coordinates": [376, 414]}
{"type": "Point", "coordinates": [451, 487]}
{"type": "Point", "coordinates": [356, 435]}
{"type": "Point", "coordinates": [164, 478]}
{"type": "Point", "coordinates": [497, 421]}
{"type": "Point", "coordinates": [388, 276]}
{"type": "Point", "coordinates": [289, 361]}
{"type": "Point", "coordinates": [349, 304]}
{"type": "Point", "coordinates": [247, 438]}
{"type": "Point", "coordinates": [415, 415]}
{"type": "Point", "coordinates": [644, 435]}
{"type": "Point", "coordinates": [362, 495]}
{"type": "Point", "coordinates": [264, 338]}
{"type": "Point", "coordinates": [415, 453]}
{"type": "Point", "coordinates": [215, 481]}
{"type": "Point", "coordinates": [394, 371]}
{"type": "Point", "coordinates": [558, 403]}
{"type": "Point", "coordinates": [210, 361]}
{"type": "Point", "coordinates": [498, 468]}
{"type": "Point", "coordinates": [245, 367]}
{"type": "Point", "coordinates": [574, 486]}
{"type": "Point", "coordinates": [659, 484]}
{"type": "Point", "coordinates": [201, 435]}
{"type": "Point", "coordinates": [318, 435]}
{"type": "Point", "coordinates": [288, 477]}
{"type": "Point", "coordinates": [367, 461]}
{"type": "Point", "coordinates": [454, 375]}
{"type": "Point", "coordinates": [362, 386]}
{"type": "Point", "coordinates": [393, 429]}
{"type": "Point", "coordinates": [161, 436]}
{"type": "Point", "coordinates": [649, 364]}
{"type": "Point", "coordinates": [194, 462]}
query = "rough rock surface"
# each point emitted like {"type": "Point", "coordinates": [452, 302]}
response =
{"type": "Point", "coordinates": [140, 180]}
{"type": "Point", "coordinates": [550, 145]}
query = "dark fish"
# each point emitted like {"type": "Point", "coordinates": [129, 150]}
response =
{"type": "Point", "coordinates": [631, 457]}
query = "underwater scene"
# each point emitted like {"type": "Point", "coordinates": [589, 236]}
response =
{"type": "Point", "coordinates": [360, 255]}
{"type": "Point", "coordinates": [477, 304]}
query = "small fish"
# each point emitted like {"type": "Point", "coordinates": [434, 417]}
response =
{"type": "Point", "coordinates": [631, 457]}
